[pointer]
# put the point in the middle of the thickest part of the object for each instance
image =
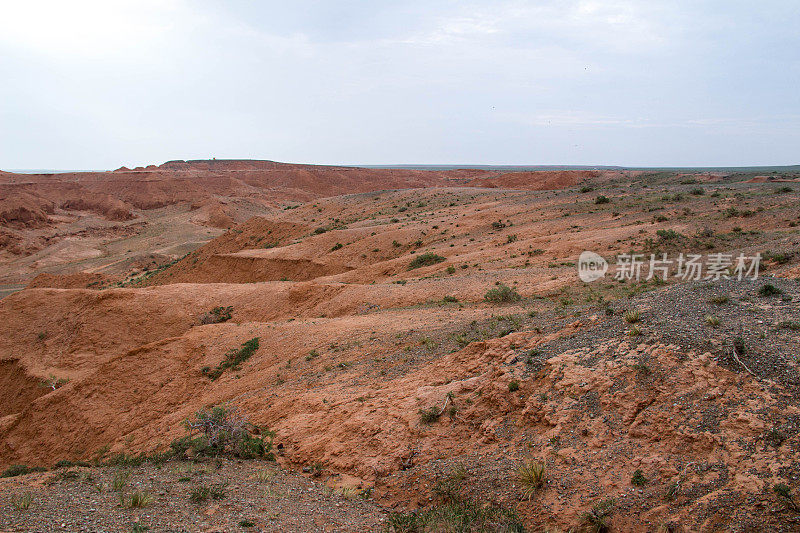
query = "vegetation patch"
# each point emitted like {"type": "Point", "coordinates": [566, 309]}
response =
{"type": "Point", "coordinates": [233, 359]}
{"type": "Point", "coordinates": [426, 259]}
{"type": "Point", "coordinates": [502, 294]}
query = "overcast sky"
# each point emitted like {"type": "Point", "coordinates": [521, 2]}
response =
{"type": "Point", "coordinates": [99, 84]}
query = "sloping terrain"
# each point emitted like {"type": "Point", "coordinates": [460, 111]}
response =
{"type": "Point", "coordinates": [370, 311]}
{"type": "Point", "coordinates": [105, 220]}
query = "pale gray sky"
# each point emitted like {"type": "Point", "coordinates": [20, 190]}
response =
{"type": "Point", "coordinates": [102, 83]}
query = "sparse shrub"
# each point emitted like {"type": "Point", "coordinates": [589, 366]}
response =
{"type": "Point", "coordinates": [430, 415]}
{"type": "Point", "coordinates": [769, 290]}
{"type": "Point", "coordinates": [450, 299]}
{"type": "Point", "coordinates": [223, 431]}
{"type": "Point", "coordinates": [783, 190]}
{"type": "Point", "coordinates": [596, 519]}
{"type": "Point", "coordinates": [785, 493]}
{"type": "Point", "coordinates": [337, 246]}
{"type": "Point", "coordinates": [698, 191]}
{"type": "Point", "coordinates": [459, 515]}
{"type": "Point", "coordinates": [216, 315]}
{"type": "Point", "coordinates": [531, 475]}
{"type": "Point", "coordinates": [247, 523]}
{"type": "Point", "coordinates": [320, 230]}
{"type": "Point", "coordinates": [780, 258]}
{"type": "Point", "coordinates": [793, 325]}
{"type": "Point", "coordinates": [668, 234]}
{"type": "Point", "coordinates": [22, 503]}
{"type": "Point", "coordinates": [632, 316]}
{"type": "Point", "coordinates": [602, 200]}
{"type": "Point", "coordinates": [638, 478]}
{"type": "Point", "coordinates": [426, 259]}
{"type": "Point", "coordinates": [513, 385]}
{"type": "Point", "coordinates": [19, 470]}
{"type": "Point", "coordinates": [498, 224]}
{"type": "Point", "coordinates": [502, 294]}
{"type": "Point", "coordinates": [720, 299]}
{"type": "Point", "coordinates": [586, 188]}
{"type": "Point", "coordinates": [233, 359]}
{"type": "Point", "coordinates": [511, 238]}
{"type": "Point", "coordinates": [712, 321]}
{"type": "Point", "coordinates": [53, 382]}
{"type": "Point", "coordinates": [451, 270]}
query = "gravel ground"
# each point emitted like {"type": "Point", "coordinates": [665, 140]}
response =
{"type": "Point", "coordinates": [84, 499]}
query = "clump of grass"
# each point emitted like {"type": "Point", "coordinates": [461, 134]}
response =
{"type": "Point", "coordinates": [596, 519]}
{"type": "Point", "coordinates": [632, 316]}
{"type": "Point", "coordinates": [502, 294]}
{"type": "Point", "coordinates": [138, 499]}
{"type": "Point", "coordinates": [769, 290]}
{"type": "Point", "coordinates": [635, 331]}
{"type": "Point", "coordinates": [712, 321]}
{"type": "Point", "coordinates": [247, 523]}
{"type": "Point", "coordinates": [120, 480]}
{"type": "Point", "coordinates": [720, 299]}
{"type": "Point", "coordinates": [638, 478]}
{"type": "Point", "coordinates": [531, 475]}
{"type": "Point", "coordinates": [265, 475]}
{"type": "Point", "coordinates": [513, 385]}
{"type": "Point", "coordinates": [22, 503]}
{"type": "Point", "coordinates": [426, 259]}
{"type": "Point", "coordinates": [204, 492]}
{"type": "Point", "coordinates": [602, 200]}
{"type": "Point", "coordinates": [460, 515]}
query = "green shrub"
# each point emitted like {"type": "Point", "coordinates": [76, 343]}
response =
{"type": "Point", "coordinates": [502, 294]}
{"type": "Point", "coordinates": [426, 259]}
{"type": "Point", "coordinates": [19, 470]}
{"type": "Point", "coordinates": [337, 246]}
{"type": "Point", "coordinates": [217, 315]}
{"type": "Point", "coordinates": [223, 431]}
{"type": "Point", "coordinates": [430, 415]}
{"type": "Point", "coordinates": [513, 385]}
{"type": "Point", "coordinates": [668, 234]}
{"type": "Point", "coordinates": [769, 290]}
{"type": "Point", "coordinates": [638, 479]}
{"type": "Point", "coordinates": [602, 200]}
{"type": "Point", "coordinates": [233, 359]}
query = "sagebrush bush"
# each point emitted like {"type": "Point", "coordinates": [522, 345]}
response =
{"type": "Point", "coordinates": [426, 259]}
{"type": "Point", "coordinates": [502, 294]}
{"type": "Point", "coordinates": [222, 431]}
{"type": "Point", "coordinates": [233, 359]}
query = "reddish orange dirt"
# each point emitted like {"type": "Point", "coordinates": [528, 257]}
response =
{"type": "Point", "coordinates": [354, 342]}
